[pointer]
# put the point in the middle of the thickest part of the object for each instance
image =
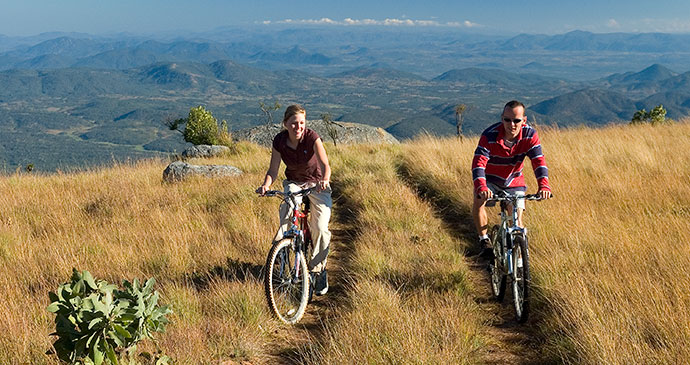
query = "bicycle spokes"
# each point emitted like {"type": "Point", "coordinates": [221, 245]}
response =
{"type": "Point", "coordinates": [287, 281]}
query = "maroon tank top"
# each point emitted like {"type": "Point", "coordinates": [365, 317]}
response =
{"type": "Point", "coordinates": [301, 163]}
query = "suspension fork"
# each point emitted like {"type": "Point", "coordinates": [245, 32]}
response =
{"type": "Point", "coordinates": [508, 239]}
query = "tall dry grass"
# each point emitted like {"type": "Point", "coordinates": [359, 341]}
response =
{"type": "Point", "coordinates": [409, 297]}
{"type": "Point", "coordinates": [204, 240]}
{"type": "Point", "coordinates": [609, 254]}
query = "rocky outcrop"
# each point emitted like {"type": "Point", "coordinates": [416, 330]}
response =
{"type": "Point", "coordinates": [179, 170]}
{"type": "Point", "coordinates": [204, 150]}
{"type": "Point", "coordinates": [348, 133]}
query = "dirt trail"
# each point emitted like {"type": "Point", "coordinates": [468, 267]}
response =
{"type": "Point", "coordinates": [511, 342]}
{"type": "Point", "coordinates": [514, 343]}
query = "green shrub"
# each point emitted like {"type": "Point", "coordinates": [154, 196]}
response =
{"type": "Point", "coordinates": [96, 322]}
{"type": "Point", "coordinates": [654, 116]}
{"type": "Point", "coordinates": [201, 127]}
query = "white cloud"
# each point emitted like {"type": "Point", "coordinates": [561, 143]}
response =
{"type": "Point", "coordinates": [385, 22]}
{"type": "Point", "coordinates": [398, 22]}
{"type": "Point", "coordinates": [612, 23]}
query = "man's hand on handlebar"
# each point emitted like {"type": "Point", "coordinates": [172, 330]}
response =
{"type": "Point", "coordinates": [544, 194]}
{"type": "Point", "coordinates": [485, 194]}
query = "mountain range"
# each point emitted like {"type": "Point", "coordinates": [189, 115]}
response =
{"type": "Point", "coordinates": [87, 100]}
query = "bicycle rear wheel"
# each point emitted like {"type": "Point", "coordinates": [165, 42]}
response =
{"type": "Point", "coordinates": [521, 278]}
{"type": "Point", "coordinates": [498, 278]}
{"type": "Point", "coordinates": [287, 281]}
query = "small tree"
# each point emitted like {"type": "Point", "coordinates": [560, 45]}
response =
{"type": "Point", "coordinates": [331, 127]}
{"type": "Point", "coordinates": [655, 116]}
{"type": "Point", "coordinates": [459, 118]}
{"type": "Point", "coordinates": [201, 127]}
{"type": "Point", "coordinates": [268, 111]}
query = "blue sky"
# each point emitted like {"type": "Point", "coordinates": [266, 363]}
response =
{"type": "Point", "coordinates": [30, 17]}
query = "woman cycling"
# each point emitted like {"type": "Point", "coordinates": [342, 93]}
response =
{"type": "Point", "coordinates": [302, 151]}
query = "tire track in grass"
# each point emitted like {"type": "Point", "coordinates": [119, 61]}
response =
{"type": "Point", "coordinates": [515, 343]}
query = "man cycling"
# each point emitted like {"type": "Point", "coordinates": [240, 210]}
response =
{"type": "Point", "coordinates": [497, 166]}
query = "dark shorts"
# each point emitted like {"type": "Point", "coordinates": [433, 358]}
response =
{"type": "Point", "coordinates": [512, 191]}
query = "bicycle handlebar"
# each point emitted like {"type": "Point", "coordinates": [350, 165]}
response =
{"type": "Point", "coordinates": [306, 191]}
{"type": "Point", "coordinates": [499, 198]}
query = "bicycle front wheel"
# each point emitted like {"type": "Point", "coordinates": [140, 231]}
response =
{"type": "Point", "coordinates": [287, 281]}
{"type": "Point", "coordinates": [521, 278]}
{"type": "Point", "coordinates": [496, 270]}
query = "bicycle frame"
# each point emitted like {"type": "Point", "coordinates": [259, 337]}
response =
{"type": "Point", "coordinates": [299, 228]}
{"type": "Point", "coordinates": [508, 232]}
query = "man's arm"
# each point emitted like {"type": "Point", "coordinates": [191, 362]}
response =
{"type": "Point", "coordinates": [541, 172]}
{"type": "Point", "coordinates": [481, 157]}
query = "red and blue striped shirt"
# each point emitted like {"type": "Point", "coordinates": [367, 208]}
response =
{"type": "Point", "coordinates": [501, 165]}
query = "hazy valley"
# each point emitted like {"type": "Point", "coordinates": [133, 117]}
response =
{"type": "Point", "coordinates": [75, 100]}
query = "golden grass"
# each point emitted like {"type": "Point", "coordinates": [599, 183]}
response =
{"type": "Point", "coordinates": [409, 299]}
{"type": "Point", "coordinates": [204, 240]}
{"type": "Point", "coordinates": [609, 253]}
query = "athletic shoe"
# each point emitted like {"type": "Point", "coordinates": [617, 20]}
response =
{"type": "Point", "coordinates": [487, 252]}
{"type": "Point", "coordinates": [321, 283]}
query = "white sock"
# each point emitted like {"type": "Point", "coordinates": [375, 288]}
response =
{"type": "Point", "coordinates": [484, 237]}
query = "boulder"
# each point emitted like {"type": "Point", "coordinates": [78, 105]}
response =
{"type": "Point", "coordinates": [204, 150]}
{"type": "Point", "coordinates": [348, 133]}
{"type": "Point", "coordinates": [179, 170]}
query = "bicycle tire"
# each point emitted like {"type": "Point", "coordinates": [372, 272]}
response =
{"type": "Point", "coordinates": [286, 284]}
{"type": "Point", "coordinates": [498, 278]}
{"type": "Point", "coordinates": [521, 279]}
{"type": "Point", "coordinates": [308, 247]}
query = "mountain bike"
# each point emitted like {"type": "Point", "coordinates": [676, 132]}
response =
{"type": "Point", "coordinates": [287, 278]}
{"type": "Point", "coordinates": [511, 251]}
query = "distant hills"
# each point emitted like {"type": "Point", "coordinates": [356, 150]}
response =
{"type": "Point", "coordinates": [589, 107]}
{"type": "Point", "coordinates": [83, 97]}
{"type": "Point", "coordinates": [576, 55]}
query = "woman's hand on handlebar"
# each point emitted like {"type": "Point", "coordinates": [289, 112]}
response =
{"type": "Point", "coordinates": [322, 185]}
{"type": "Point", "coordinates": [261, 190]}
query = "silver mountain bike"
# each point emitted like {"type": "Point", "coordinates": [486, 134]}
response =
{"type": "Point", "coordinates": [511, 253]}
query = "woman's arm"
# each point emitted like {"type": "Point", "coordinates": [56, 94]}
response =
{"type": "Point", "coordinates": [323, 160]}
{"type": "Point", "coordinates": [271, 173]}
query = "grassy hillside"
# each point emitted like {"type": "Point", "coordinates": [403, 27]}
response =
{"type": "Point", "coordinates": [608, 254]}
{"type": "Point", "coordinates": [608, 259]}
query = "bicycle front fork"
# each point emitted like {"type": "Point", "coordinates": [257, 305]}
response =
{"type": "Point", "coordinates": [508, 256]}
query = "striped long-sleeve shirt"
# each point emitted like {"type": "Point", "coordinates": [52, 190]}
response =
{"type": "Point", "coordinates": [496, 163]}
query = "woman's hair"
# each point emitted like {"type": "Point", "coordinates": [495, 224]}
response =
{"type": "Point", "coordinates": [292, 110]}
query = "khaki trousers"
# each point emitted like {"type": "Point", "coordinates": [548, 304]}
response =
{"type": "Point", "coordinates": [321, 204]}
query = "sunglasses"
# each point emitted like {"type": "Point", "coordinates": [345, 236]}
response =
{"type": "Point", "coordinates": [516, 120]}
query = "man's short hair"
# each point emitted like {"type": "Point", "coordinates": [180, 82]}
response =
{"type": "Point", "coordinates": [514, 104]}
